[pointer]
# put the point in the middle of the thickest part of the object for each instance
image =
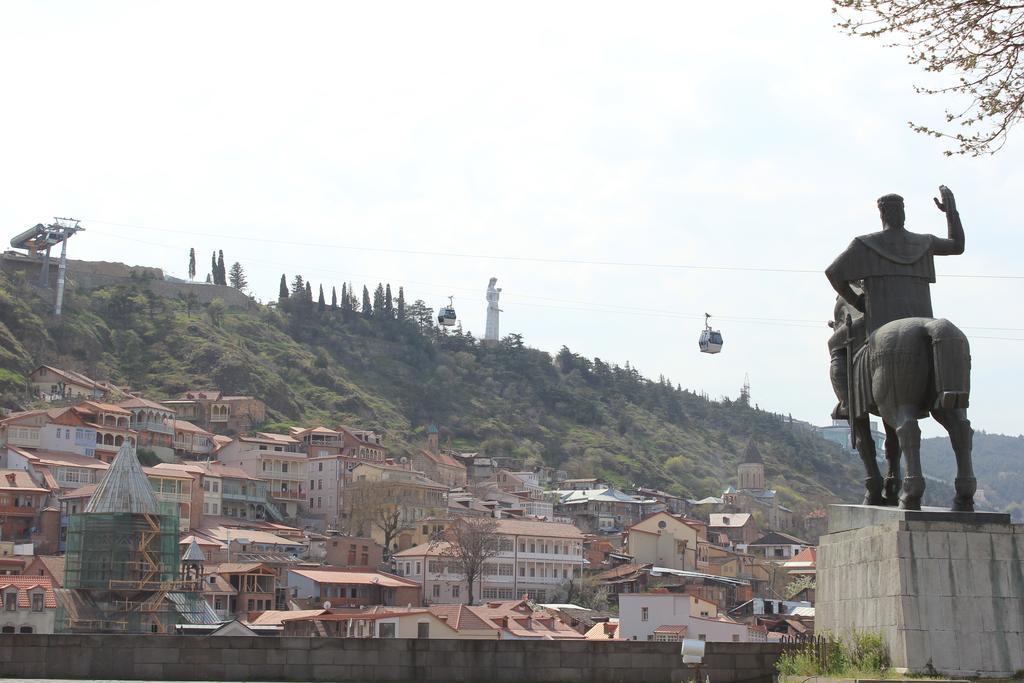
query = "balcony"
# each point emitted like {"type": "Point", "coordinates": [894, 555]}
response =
{"type": "Point", "coordinates": [17, 511]}
{"type": "Point", "coordinates": [239, 497]}
{"type": "Point", "coordinates": [290, 494]}
{"type": "Point", "coordinates": [157, 427]}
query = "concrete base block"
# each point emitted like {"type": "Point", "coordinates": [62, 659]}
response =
{"type": "Point", "coordinates": [941, 587]}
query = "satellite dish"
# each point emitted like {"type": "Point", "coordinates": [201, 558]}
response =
{"type": "Point", "coordinates": [327, 604]}
{"type": "Point", "coordinates": [403, 460]}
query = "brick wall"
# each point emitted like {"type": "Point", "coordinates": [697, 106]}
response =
{"type": "Point", "coordinates": [184, 658]}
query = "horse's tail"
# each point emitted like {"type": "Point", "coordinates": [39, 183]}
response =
{"type": "Point", "coordinates": [951, 365]}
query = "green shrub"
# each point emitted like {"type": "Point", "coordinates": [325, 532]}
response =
{"type": "Point", "coordinates": [860, 655]}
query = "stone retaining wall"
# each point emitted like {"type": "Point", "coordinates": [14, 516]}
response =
{"type": "Point", "coordinates": [241, 658]}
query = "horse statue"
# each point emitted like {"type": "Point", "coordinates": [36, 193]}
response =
{"type": "Point", "coordinates": [893, 375]}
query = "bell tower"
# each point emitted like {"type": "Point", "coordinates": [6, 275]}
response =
{"type": "Point", "coordinates": [750, 472]}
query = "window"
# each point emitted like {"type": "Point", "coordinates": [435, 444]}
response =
{"type": "Point", "coordinates": [37, 602]}
{"type": "Point", "coordinates": [252, 605]}
{"type": "Point", "coordinates": [522, 546]}
{"type": "Point", "coordinates": [423, 630]}
{"type": "Point", "coordinates": [701, 636]}
{"type": "Point", "coordinates": [437, 590]}
{"type": "Point", "coordinates": [735, 637]}
{"type": "Point", "coordinates": [216, 487]}
{"type": "Point", "coordinates": [433, 566]}
{"type": "Point", "coordinates": [58, 433]}
{"type": "Point", "coordinates": [456, 591]}
{"type": "Point", "coordinates": [7, 629]}
{"type": "Point", "coordinates": [11, 602]}
{"type": "Point", "coordinates": [504, 570]}
{"type": "Point", "coordinates": [644, 614]}
{"type": "Point", "coordinates": [320, 484]}
{"type": "Point", "coordinates": [319, 502]}
{"type": "Point", "coordinates": [311, 487]}
{"type": "Point", "coordinates": [385, 630]}
{"type": "Point", "coordinates": [284, 467]}
{"type": "Point", "coordinates": [522, 571]}
{"type": "Point", "coordinates": [418, 568]}
{"type": "Point", "coordinates": [533, 571]}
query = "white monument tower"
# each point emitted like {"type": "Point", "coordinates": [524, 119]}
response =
{"type": "Point", "coordinates": [491, 333]}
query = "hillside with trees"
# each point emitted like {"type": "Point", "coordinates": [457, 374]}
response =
{"type": "Point", "coordinates": [374, 360]}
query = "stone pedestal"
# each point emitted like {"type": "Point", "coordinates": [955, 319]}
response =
{"type": "Point", "coordinates": [945, 589]}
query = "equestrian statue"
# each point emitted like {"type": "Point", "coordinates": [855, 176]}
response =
{"type": "Point", "coordinates": [892, 358]}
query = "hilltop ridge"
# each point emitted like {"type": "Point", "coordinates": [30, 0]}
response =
{"type": "Point", "coordinates": [313, 364]}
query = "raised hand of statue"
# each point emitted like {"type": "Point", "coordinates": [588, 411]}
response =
{"type": "Point", "coordinates": [948, 203]}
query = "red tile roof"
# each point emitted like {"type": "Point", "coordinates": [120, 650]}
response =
{"type": "Point", "coordinates": [24, 585]}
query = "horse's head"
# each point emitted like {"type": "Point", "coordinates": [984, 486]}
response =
{"type": "Point", "coordinates": [842, 309]}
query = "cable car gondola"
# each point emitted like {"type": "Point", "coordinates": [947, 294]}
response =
{"type": "Point", "coordinates": [710, 340]}
{"type": "Point", "coordinates": [446, 315]}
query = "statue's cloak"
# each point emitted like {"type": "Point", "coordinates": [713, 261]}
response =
{"type": "Point", "coordinates": [896, 268]}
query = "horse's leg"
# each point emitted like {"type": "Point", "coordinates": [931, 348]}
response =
{"type": "Point", "coordinates": [892, 457]}
{"type": "Point", "coordinates": [909, 434]}
{"type": "Point", "coordinates": [961, 437]}
{"type": "Point", "coordinates": [866, 448]}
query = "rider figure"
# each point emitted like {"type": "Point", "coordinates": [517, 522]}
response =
{"type": "Point", "coordinates": [896, 265]}
{"type": "Point", "coordinates": [894, 269]}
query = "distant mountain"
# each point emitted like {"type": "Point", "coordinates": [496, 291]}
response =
{"type": "Point", "coordinates": [998, 466]}
{"type": "Point", "coordinates": [314, 365]}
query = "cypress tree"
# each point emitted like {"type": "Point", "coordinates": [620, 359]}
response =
{"type": "Point", "coordinates": [282, 292]}
{"type": "Point", "coordinates": [389, 306]}
{"type": "Point", "coordinates": [401, 304]}
{"type": "Point", "coordinates": [367, 307]}
{"type": "Point", "coordinates": [309, 293]}
{"type": "Point", "coordinates": [320, 305]}
{"type": "Point", "coordinates": [220, 269]}
{"type": "Point", "coordinates": [345, 304]}
{"type": "Point", "coordinates": [378, 300]}
{"type": "Point", "coordinates": [192, 263]}
{"type": "Point", "coordinates": [334, 298]}
{"type": "Point", "coordinates": [213, 268]}
{"type": "Point", "coordinates": [298, 287]}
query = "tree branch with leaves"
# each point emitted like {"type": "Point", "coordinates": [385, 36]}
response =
{"type": "Point", "coordinates": [979, 40]}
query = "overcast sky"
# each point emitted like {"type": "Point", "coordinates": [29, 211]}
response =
{"type": "Point", "coordinates": [342, 141]}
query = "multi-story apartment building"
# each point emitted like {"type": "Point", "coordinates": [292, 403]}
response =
{"type": "Point", "coordinates": [664, 540]}
{"type": "Point", "coordinates": [27, 604]}
{"type": "Point", "coordinates": [21, 503]}
{"type": "Point", "coordinates": [600, 510]}
{"type": "Point", "coordinates": [88, 428]}
{"type": "Point", "coordinates": [276, 459]}
{"type": "Point", "coordinates": [317, 441]}
{"type": "Point", "coordinates": [56, 384]}
{"type": "Point", "coordinates": [534, 559]}
{"type": "Point", "coordinates": [362, 444]}
{"type": "Point", "coordinates": [112, 425]}
{"type": "Point", "coordinates": [220, 414]}
{"type": "Point", "coordinates": [242, 495]}
{"type": "Point", "coordinates": [437, 464]}
{"type": "Point", "coordinates": [377, 491]}
{"type": "Point", "coordinates": [62, 471]}
{"type": "Point", "coordinates": [192, 441]}
{"type": "Point", "coordinates": [154, 424]}
{"type": "Point", "coordinates": [181, 488]}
